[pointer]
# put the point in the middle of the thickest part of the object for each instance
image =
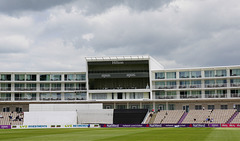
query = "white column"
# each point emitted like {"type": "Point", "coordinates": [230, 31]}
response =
{"type": "Point", "coordinates": [127, 105]}
{"type": "Point", "coordinates": [140, 105]}
{"type": "Point", "coordinates": [154, 106]}
{"type": "Point", "coordinates": [167, 106]}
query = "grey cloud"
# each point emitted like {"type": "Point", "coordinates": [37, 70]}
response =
{"type": "Point", "coordinates": [90, 6]}
{"type": "Point", "coordinates": [15, 6]}
{"type": "Point", "coordinates": [99, 6]}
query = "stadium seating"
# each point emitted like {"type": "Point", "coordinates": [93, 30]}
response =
{"type": "Point", "coordinates": [209, 116]}
{"type": "Point", "coordinates": [5, 120]}
{"type": "Point", "coordinates": [236, 119]}
{"type": "Point", "coordinates": [171, 116]}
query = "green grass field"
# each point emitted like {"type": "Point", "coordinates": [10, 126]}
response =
{"type": "Point", "coordinates": [122, 134]}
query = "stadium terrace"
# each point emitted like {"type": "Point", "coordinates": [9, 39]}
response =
{"type": "Point", "coordinates": [131, 82]}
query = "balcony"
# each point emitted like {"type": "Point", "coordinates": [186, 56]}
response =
{"type": "Point", "coordinates": [75, 98]}
{"type": "Point", "coordinates": [166, 97]}
{"type": "Point", "coordinates": [25, 98]}
{"type": "Point", "coordinates": [165, 87]}
{"type": "Point", "coordinates": [215, 95]}
{"type": "Point", "coordinates": [235, 95]}
{"type": "Point", "coordinates": [56, 89]}
{"type": "Point", "coordinates": [5, 98]}
{"type": "Point", "coordinates": [44, 88]}
{"type": "Point", "coordinates": [215, 85]}
{"type": "Point", "coordinates": [190, 96]}
{"type": "Point", "coordinates": [5, 88]}
{"type": "Point", "coordinates": [50, 99]}
{"type": "Point", "coordinates": [190, 86]}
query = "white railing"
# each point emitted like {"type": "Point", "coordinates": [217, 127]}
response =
{"type": "Point", "coordinates": [215, 95]}
{"type": "Point", "coordinates": [215, 85]}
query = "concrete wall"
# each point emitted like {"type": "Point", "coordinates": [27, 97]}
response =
{"type": "Point", "coordinates": [64, 107]}
{"type": "Point", "coordinates": [95, 116]}
{"type": "Point", "coordinates": [50, 118]}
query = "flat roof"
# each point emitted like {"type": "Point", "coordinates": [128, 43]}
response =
{"type": "Point", "coordinates": [117, 58]}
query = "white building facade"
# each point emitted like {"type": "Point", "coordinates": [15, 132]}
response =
{"type": "Point", "coordinates": [133, 82]}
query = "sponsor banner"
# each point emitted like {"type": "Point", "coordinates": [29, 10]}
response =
{"type": "Point", "coordinates": [132, 125]}
{"type": "Point", "coordinates": [214, 125]}
{"type": "Point", "coordinates": [155, 125]}
{"type": "Point", "coordinates": [175, 125]}
{"type": "Point", "coordinates": [198, 125]}
{"type": "Point", "coordinates": [94, 126]}
{"type": "Point", "coordinates": [50, 126]}
{"type": "Point", "coordinates": [5, 126]}
{"type": "Point", "coordinates": [237, 125]}
{"type": "Point", "coordinates": [122, 125]}
{"type": "Point", "coordinates": [81, 126]}
{"type": "Point", "coordinates": [109, 125]}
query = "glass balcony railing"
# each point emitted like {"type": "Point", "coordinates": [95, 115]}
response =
{"type": "Point", "coordinates": [5, 88]}
{"type": "Point", "coordinates": [215, 95]}
{"type": "Point", "coordinates": [5, 98]}
{"type": "Point", "coordinates": [25, 98]}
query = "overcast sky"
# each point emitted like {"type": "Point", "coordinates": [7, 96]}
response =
{"type": "Point", "coordinates": [57, 35]}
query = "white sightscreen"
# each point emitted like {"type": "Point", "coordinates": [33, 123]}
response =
{"type": "Point", "coordinates": [95, 116]}
{"type": "Point", "coordinates": [49, 118]}
{"type": "Point", "coordinates": [63, 107]}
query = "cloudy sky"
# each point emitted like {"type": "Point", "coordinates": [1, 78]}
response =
{"type": "Point", "coordinates": [57, 35]}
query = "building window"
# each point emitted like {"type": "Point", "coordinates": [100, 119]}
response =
{"type": "Point", "coordinates": [221, 83]}
{"type": "Point", "coordinates": [196, 94]}
{"type": "Point", "coordinates": [198, 107]}
{"type": "Point", "coordinates": [209, 94]}
{"type": "Point", "coordinates": [69, 86]}
{"type": "Point", "coordinates": [81, 96]}
{"type": "Point", "coordinates": [235, 82]}
{"type": "Point", "coordinates": [31, 87]}
{"type": "Point", "coordinates": [184, 84]}
{"type": "Point", "coordinates": [6, 87]}
{"type": "Point", "coordinates": [209, 73]}
{"type": "Point", "coordinates": [159, 75]}
{"type": "Point", "coordinates": [99, 96]}
{"type": "Point", "coordinates": [80, 77]}
{"type": "Point", "coordinates": [69, 77]}
{"type": "Point", "coordinates": [19, 77]}
{"type": "Point", "coordinates": [184, 74]}
{"type": "Point", "coordinates": [19, 87]}
{"type": "Point", "coordinates": [196, 84]}
{"type": "Point", "coordinates": [221, 73]}
{"type": "Point", "coordinates": [209, 83]}
{"type": "Point", "coordinates": [171, 95]}
{"type": "Point", "coordinates": [196, 74]}
{"type": "Point", "coordinates": [45, 77]}
{"type": "Point", "coordinates": [184, 94]}
{"type": "Point", "coordinates": [235, 93]}
{"type": "Point", "coordinates": [171, 84]}
{"type": "Point", "coordinates": [211, 107]}
{"type": "Point", "coordinates": [5, 96]}
{"type": "Point", "coordinates": [171, 107]}
{"type": "Point", "coordinates": [56, 77]}
{"type": "Point", "coordinates": [50, 96]}
{"type": "Point", "coordinates": [235, 72]}
{"type": "Point", "coordinates": [171, 75]}
{"type": "Point", "coordinates": [159, 95]}
{"type": "Point", "coordinates": [25, 96]}
{"type": "Point", "coordinates": [136, 95]}
{"type": "Point", "coordinates": [6, 109]}
{"type": "Point", "coordinates": [31, 77]}
{"type": "Point", "coordinates": [5, 77]}
{"type": "Point", "coordinates": [224, 106]}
